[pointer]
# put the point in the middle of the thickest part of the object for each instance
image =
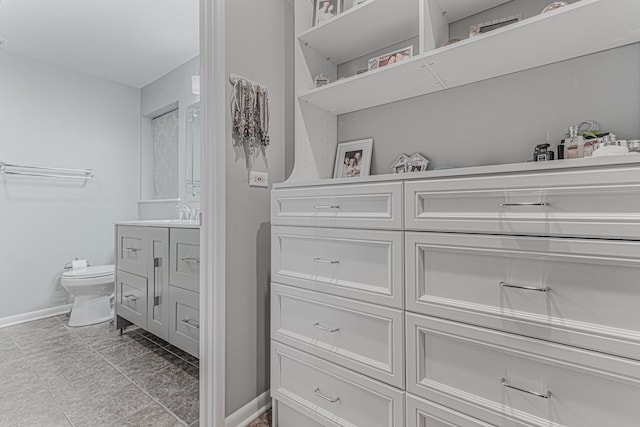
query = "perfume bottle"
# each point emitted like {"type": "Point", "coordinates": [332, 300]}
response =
{"type": "Point", "coordinates": [574, 144]}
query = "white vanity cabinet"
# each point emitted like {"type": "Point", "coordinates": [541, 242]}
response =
{"type": "Point", "coordinates": [150, 260]}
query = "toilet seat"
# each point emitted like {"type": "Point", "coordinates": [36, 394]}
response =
{"type": "Point", "coordinates": [90, 272]}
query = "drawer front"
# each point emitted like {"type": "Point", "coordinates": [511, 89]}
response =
{"type": "Point", "coordinates": [184, 320]}
{"type": "Point", "coordinates": [284, 416]}
{"type": "Point", "coordinates": [185, 258]}
{"type": "Point", "coordinates": [363, 337]}
{"type": "Point", "coordinates": [422, 413]}
{"type": "Point", "coordinates": [578, 292]}
{"type": "Point", "coordinates": [376, 206]}
{"type": "Point", "coordinates": [586, 203]}
{"type": "Point", "coordinates": [359, 264]}
{"type": "Point", "coordinates": [332, 395]}
{"type": "Point", "coordinates": [509, 380]}
{"type": "Point", "coordinates": [132, 249]}
{"type": "Point", "coordinates": [131, 298]}
{"type": "Point", "coordinates": [158, 281]}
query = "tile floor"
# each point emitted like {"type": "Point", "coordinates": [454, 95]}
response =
{"type": "Point", "coordinates": [52, 375]}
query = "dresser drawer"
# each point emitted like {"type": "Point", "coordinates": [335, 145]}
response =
{"type": "Point", "coordinates": [331, 395]}
{"type": "Point", "coordinates": [510, 380]}
{"type": "Point", "coordinates": [185, 258]}
{"type": "Point", "coordinates": [376, 206]}
{"type": "Point", "coordinates": [132, 247]}
{"type": "Point", "coordinates": [578, 292]}
{"type": "Point", "coordinates": [359, 264]}
{"type": "Point", "coordinates": [585, 203]}
{"type": "Point", "coordinates": [422, 413]}
{"type": "Point", "coordinates": [184, 320]}
{"type": "Point", "coordinates": [363, 337]}
{"type": "Point", "coordinates": [131, 298]}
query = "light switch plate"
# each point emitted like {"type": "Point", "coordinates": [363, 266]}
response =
{"type": "Point", "coordinates": [258, 179]}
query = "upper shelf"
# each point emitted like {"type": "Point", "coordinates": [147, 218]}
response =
{"type": "Point", "coordinates": [582, 28]}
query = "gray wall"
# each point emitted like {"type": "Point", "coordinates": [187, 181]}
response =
{"type": "Point", "coordinates": [255, 46]}
{"type": "Point", "coordinates": [502, 119]}
{"type": "Point", "coordinates": [53, 117]}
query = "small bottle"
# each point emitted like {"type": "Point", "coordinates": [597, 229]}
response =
{"type": "Point", "coordinates": [573, 146]}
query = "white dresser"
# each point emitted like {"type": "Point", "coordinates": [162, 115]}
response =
{"type": "Point", "coordinates": [504, 295]}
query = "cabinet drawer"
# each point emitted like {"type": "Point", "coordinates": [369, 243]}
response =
{"type": "Point", "coordinates": [184, 320]}
{"type": "Point", "coordinates": [366, 338]}
{"type": "Point", "coordinates": [585, 203]}
{"type": "Point", "coordinates": [578, 292]}
{"type": "Point", "coordinates": [510, 380]}
{"type": "Point", "coordinates": [185, 258]}
{"type": "Point", "coordinates": [359, 264]}
{"type": "Point", "coordinates": [422, 413]}
{"type": "Point", "coordinates": [332, 395]}
{"type": "Point", "coordinates": [131, 298]}
{"type": "Point", "coordinates": [351, 206]}
{"type": "Point", "coordinates": [284, 416]}
{"type": "Point", "coordinates": [132, 249]}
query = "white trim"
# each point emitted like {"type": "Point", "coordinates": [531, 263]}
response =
{"type": "Point", "coordinates": [213, 233]}
{"type": "Point", "coordinates": [249, 412]}
{"type": "Point", "coordinates": [34, 315]}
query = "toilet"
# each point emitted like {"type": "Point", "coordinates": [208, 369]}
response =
{"type": "Point", "coordinates": [93, 289]}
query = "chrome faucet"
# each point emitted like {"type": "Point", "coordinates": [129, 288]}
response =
{"type": "Point", "coordinates": [186, 212]}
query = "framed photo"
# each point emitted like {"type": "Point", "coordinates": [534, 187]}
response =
{"type": "Point", "coordinates": [391, 58]}
{"type": "Point", "coordinates": [323, 10]}
{"type": "Point", "coordinates": [400, 164]}
{"type": "Point", "coordinates": [353, 159]}
{"type": "Point", "coordinates": [485, 27]}
{"type": "Point", "coordinates": [417, 163]}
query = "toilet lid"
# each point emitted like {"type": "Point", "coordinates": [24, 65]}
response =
{"type": "Point", "coordinates": [89, 272]}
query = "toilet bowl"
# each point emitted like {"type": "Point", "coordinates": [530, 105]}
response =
{"type": "Point", "coordinates": [93, 289]}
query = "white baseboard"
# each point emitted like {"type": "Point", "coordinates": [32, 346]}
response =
{"type": "Point", "coordinates": [249, 412]}
{"type": "Point", "coordinates": [34, 315]}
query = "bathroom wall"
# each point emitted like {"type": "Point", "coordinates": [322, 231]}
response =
{"type": "Point", "coordinates": [255, 48]}
{"type": "Point", "coordinates": [54, 117]}
{"type": "Point", "coordinates": [171, 91]}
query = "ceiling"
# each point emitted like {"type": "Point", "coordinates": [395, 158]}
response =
{"type": "Point", "coordinates": [128, 41]}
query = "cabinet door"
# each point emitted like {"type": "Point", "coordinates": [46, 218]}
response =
{"type": "Point", "coordinates": [132, 249]}
{"type": "Point", "coordinates": [185, 259]}
{"type": "Point", "coordinates": [158, 281]}
{"type": "Point", "coordinates": [184, 320]}
{"type": "Point", "coordinates": [131, 298]}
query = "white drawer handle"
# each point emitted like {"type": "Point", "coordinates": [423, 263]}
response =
{"type": "Point", "coordinates": [191, 323]}
{"type": "Point", "coordinates": [132, 249]}
{"type": "Point", "coordinates": [525, 288]}
{"type": "Point", "coordinates": [326, 261]}
{"type": "Point", "coordinates": [130, 298]}
{"type": "Point", "coordinates": [322, 396]}
{"type": "Point", "coordinates": [324, 328]}
{"type": "Point", "coordinates": [326, 207]}
{"type": "Point", "coordinates": [505, 383]}
{"type": "Point", "coordinates": [523, 205]}
{"type": "Point", "coordinates": [190, 260]}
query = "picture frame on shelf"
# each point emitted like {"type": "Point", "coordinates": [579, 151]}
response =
{"type": "Point", "coordinates": [324, 10]}
{"type": "Point", "coordinates": [485, 27]}
{"type": "Point", "coordinates": [417, 163]}
{"type": "Point", "coordinates": [400, 164]}
{"type": "Point", "coordinates": [353, 158]}
{"type": "Point", "coordinates": [391, 58]}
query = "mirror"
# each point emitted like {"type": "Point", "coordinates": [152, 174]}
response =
{"type": "Point", "coordinates": [192, 155]}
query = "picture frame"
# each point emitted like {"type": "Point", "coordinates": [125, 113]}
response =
{"type": "Point", "coordinates": [325, 10]}
{"type": "Point", "coordinates": [391, 58]}
{"type": "Point", "coordinates": [321, 80]}
{"type": "Point", "coordinates": [417, 163]}
{"type": "Point", "coordinates": [400, 164]}
{"type": "Point", "coordinates": [485, 27]}
{"type": "Point", "coordinates": [353, 159]}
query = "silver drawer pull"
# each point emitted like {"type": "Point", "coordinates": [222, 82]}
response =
{"type": "Point", "coordinates": [326, 207]}
{"type": "Point", "coordinates": [505, 383]}
{"type": "Point", "coordinates": [190, 260]}
{"type": "Point", "coordinates": [525, 288]}
{"type": "Point", "coordinates": [131, 298]}
{"type": "Point", "coordinates": [191, 323]}
{"type": "Point", "coordinates": [324, 328]}
{"type": "Point", "coordinates": [132, 249]}
{"type": "Point", "coordinates": [326, 261]}
{"type": "Point", "coordinates": [322, 396]}
{"type": "Point", "coordinates": [523, 205]}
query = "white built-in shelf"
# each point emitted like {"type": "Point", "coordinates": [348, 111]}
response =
{"type": "Point", "coordinates": [582, 28]}
{"type": "Point", "coordinates": [455, 10]}
{"type": "Point", "coordinates": [362, 29]}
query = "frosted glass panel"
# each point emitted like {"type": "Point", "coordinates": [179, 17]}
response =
{"type": "Point", "coordinates": [165, 156]}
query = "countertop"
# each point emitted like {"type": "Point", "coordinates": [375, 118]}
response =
{"type": "Point", "coordinates": [167, 223]}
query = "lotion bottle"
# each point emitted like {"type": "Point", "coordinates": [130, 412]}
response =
{"type": "Point", "coordinates": [574, 144]}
